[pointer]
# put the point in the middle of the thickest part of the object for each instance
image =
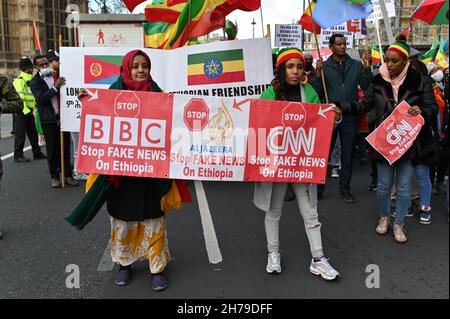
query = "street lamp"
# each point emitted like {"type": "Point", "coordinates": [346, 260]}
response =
{"type": "Point", "coordinates": [253, 24]}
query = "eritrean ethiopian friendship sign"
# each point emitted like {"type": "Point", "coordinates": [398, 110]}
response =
{"type": "Point", "coordinates": [222, 69]}
{"type": "Point", "coordinates": [164, 135]}
{"type": "Point", "coordinates": [395, 135]}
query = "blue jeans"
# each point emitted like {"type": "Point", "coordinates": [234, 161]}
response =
{"type": "Point", "coordinates": [423, 180]}
{"type": "Point", "coordinates": [403, 172]}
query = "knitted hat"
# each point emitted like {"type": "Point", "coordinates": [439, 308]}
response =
{"type": "Point", "coordinates": [25, 63]}
{"type": "Point", "coordinates": [400, 48]}
{"type": "Point", "coordinates": [289, 53]}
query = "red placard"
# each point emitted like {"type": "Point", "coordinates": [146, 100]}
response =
{"type": "Point", "coordinates": [395, 135]}
{"type": "Point", "coordinates": [292, 144]}
{"type": "Point", "coordinates": [126, 133]}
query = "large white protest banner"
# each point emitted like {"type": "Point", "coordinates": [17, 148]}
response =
{"type": "Point", "coordinates": [233, 69]}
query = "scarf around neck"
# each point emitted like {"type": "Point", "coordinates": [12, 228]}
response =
{"type": "Point", "coordinates": [125, 72]}
{"type": "Point", "coordinates": [397, 82]}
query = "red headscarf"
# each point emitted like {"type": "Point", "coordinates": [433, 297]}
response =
{"type": "Point", "coordinates": [125, 72]}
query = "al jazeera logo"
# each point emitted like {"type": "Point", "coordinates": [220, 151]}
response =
{"type": "Point", "coordinates": [221, 125]}
{"type": "Point", "coordinates": [96, 69]}
{"type": "Point", "coordinates": [196, 118]}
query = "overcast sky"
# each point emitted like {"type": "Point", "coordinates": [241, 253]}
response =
{"type": "Point", "coordinates": [274, 12]}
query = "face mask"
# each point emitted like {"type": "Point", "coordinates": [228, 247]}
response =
{"type": "Point", "coordinates": [46, 71]}
{"type": "Point", "coordinates": [438, 76]}
{"type": "Point", "coordinates": [309, 65]}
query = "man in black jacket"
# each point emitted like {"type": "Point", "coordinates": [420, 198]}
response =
{"type": "Point", "coordinates": [45, 86]}
{"type": "Point", "coordinates": [343, 75]}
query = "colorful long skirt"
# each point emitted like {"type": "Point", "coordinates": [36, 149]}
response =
{"type": "Point", "coordinates": [133, 241]}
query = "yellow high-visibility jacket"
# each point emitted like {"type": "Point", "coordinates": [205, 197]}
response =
{"type": "Point", "coordinates": [21, 86]}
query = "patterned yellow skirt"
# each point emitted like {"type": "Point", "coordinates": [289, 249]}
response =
{"type": "Point", "coordinates": [133, 241]}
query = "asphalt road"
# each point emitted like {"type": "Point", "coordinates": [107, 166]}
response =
{"type": "Point", "coordinates": [39, 244]}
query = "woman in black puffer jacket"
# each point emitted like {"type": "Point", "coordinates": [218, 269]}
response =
{"type": "Point", "coordinates": [397, 82]}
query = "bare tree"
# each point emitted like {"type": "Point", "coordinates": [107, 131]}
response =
{"type": "Point", "coordinates": [107, 6]}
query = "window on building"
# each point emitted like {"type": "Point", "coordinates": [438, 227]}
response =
{"type": "Point", "coordinates": [5, 28]}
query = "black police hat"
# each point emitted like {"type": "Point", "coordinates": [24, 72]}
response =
{"type": "Point", "coordinates": [25, 63]}
{"type": "Point", "coordinates": [52, 55]}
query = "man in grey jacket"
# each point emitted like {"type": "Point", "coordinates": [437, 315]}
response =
{"type": "Point", "coordinates": [10, 102]}
{"type": "Point", "coordinates": [343, 75]}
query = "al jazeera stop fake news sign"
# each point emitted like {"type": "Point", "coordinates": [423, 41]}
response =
{"type": "Point", "coordinates": [175, 136]}
{"type": "Point", "coordinates": [396, 134]}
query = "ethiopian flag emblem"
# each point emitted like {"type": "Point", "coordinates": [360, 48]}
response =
{"type": "Point", "coordinates": [102, 69]}
{"type": "Point", "coordinates": [216, 67]}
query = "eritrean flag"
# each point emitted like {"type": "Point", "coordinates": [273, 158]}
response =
{"type": "Point", "coordinates": [102, 69]}
{"type": "Point", "coordinates": [216, 67]}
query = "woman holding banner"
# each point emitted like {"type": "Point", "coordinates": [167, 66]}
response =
{"type": "Point", "coordinates": [397, 82]}
{"type": "Point", "coordinates": [135, 205]}
{"type": "Point", "coordinates": [290, 84]}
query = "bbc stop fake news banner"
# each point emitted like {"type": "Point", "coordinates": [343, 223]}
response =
{"type": "Point", "coordinates": [395, 135]}
{"type": "Point", "coordinates": [164, 135]}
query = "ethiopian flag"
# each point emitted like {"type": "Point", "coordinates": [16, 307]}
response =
{"type": "Point", "coordinates": [440, 57]}
{"type": "Point", "coordinates": [376, 56]}
{"type": "Point", "coordinates": [199, 17]}
{"type": "Point", "coordinates": [307, 21]}
{"type": "Point", "coordinates": [102, 69]}
{"type": "Point", "coordinates": [429, 55]}
{"type": "Point", "coordinates": [216, 67]}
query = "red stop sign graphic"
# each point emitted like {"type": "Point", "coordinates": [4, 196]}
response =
{"type": "Point", "coordinates": [127, 104]}
{"type": "Point", "coordinates": [196, 115]}
{"type": "Point", "coordinates": [294, 115]}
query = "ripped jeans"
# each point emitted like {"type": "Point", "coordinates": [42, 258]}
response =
{"type": "Point", "coordinates": [306, 195]}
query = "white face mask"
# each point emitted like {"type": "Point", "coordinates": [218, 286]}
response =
{"type": "Point", "coordinates": [438, 76]}
{"type": "Point", "coordinates": [46, 71]}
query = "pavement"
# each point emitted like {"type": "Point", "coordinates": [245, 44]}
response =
{"type": "Point", "coordinates": [218, 246]}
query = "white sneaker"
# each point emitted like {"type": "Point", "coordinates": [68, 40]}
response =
{"type": "Point", "coordinates": [273, 263]}
{"type": "Point", "coordinates": [323, 268]}
{"type": "Point", "coordinates": [335, 172]}
{"type": "Point", "coordinates": [79, 176]}
{"type": "Point", "coordinates": [41, 140]}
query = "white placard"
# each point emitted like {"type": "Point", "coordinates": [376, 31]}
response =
{"type": "Point", "coordinates": [342, 29]}
{"type": "Point", "coordinates": [86, 68]}
{"type": "Point", "coordinates": [377, 14]}
{"type": "Point", "coordinates": [288, 35]}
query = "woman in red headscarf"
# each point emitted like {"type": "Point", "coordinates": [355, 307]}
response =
{"type": "Point", "coordinates": [138, 223]}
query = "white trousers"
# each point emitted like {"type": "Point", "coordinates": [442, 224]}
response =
{"type": "Point", "coordinates": [307, 202]}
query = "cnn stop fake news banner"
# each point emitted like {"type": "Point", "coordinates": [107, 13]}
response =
{"type": "Point", "coordinates": [176, 136]}
{"type": "Point", "coordinates": [395, 135]}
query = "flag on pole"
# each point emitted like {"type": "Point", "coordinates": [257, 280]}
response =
{"type": "Point", "coordinates": [131, 4]}
{"type": "Point", "coordinates": [199, 17]}
{"type": "Point", "coordinates": [440, 57]}
{"type": "Point", "coordinates": [164, 10]}
{"type": "Point", "coordinates": [37, 43]}
{"type": "Point", "coordinates": [330, 13]}
{"type": "Point", "coordinates": [231, 30]}
{"type": "Point", "coordinates": [429, 55]}
{"type": "Point", "coordinates": [307, 21]}
{"type": "Point", "coordinates": [376, 55]}
{"type": "Point", "coordinates": [162, 16]}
